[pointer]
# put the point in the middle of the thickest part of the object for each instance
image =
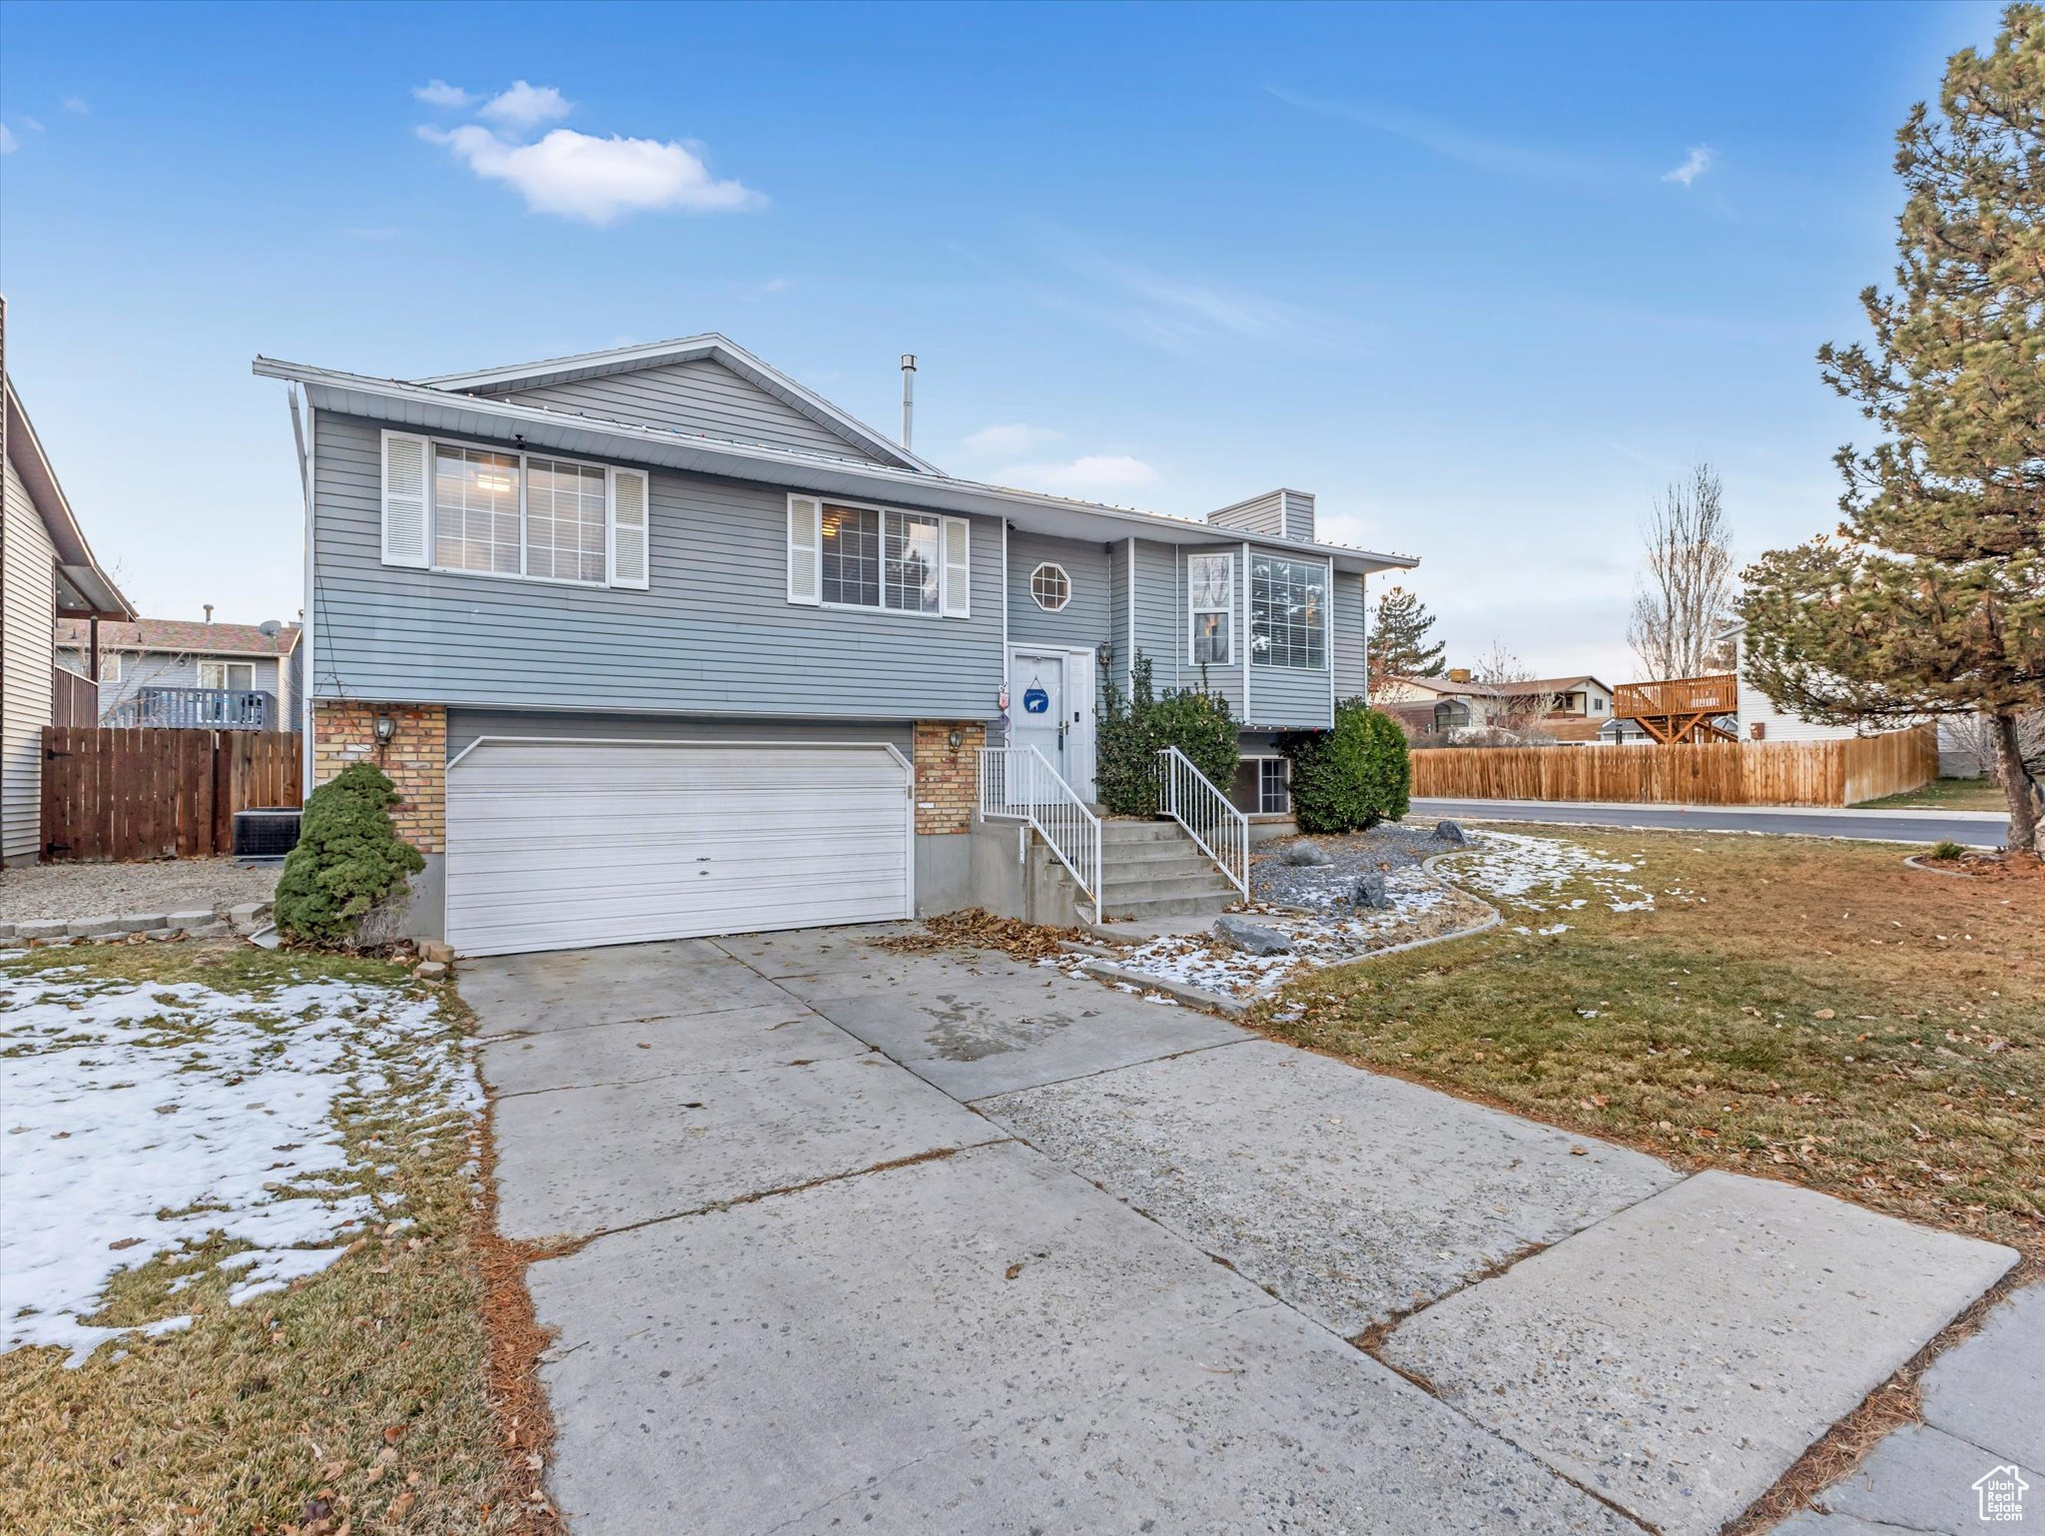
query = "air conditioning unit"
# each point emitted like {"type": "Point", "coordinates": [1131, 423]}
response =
{"type": "Point", "coordinates": [266, 832]}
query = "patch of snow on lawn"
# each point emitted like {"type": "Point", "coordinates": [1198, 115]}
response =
{"type": "Point", "coordinates": [1534, 872]}
{"type": "Point", "coordinates": [152, 1115]}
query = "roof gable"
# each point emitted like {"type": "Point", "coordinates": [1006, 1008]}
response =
{"type": "Point", "coordinates": [705, 384]}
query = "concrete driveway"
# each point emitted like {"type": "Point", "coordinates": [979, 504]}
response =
{"type": "Point", "coordinates": [942, 1243]}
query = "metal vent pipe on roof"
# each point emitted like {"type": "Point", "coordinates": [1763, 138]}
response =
{"type": "Point", "coordinates": [908, 395]}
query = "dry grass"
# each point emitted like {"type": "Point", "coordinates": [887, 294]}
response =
{"type": "Point", "coordinates": [1982, 794]}
{"type": "Point", "coordinates": [360, 1399]}
{"type": "Point", "coordinates": [1811, 1011]}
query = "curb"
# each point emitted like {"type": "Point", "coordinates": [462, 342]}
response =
{"type": "Point", "coordinates": [218, 922]}
{"type": "Point", "coordinates": [1916, 861]}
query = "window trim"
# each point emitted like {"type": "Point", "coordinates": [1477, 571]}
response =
{"type": "Point", "coordinates": [1227, 611]}
{"type": "Point", "coordinates": [824, 505]}
{"type": "Point", "coordinates": [1063, 575]}
{"type": "Point", "coordinates": [1260, 759]}
{"type": "Point", "coordinates": [1317, 632]}
{"type": "Point", "coordinates": [434, 444]}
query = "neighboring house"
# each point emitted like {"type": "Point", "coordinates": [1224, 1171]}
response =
{"type": "Point", "coordinates": [1759, 719]}
{"type": "Point", "coordinates": [191, 674]}
{"type": "Point", "coordinates": [46, 570]}
{"type": "Point", "coordinates": [1561, 709]}
{"type": "Point", "coordinates": [656, 641]}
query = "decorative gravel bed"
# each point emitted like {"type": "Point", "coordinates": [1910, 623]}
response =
{"type": "Point", "coordinates": [1389, 847]}
{"type": "Point", "coordinates": [60, 891]}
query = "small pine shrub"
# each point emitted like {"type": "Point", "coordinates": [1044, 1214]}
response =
{"type": "Point", "coordinates": [349, 857]}
{"type": "Point", "coordinates": [1352, 777]}
{"type": "Point", "coordinates": [1134, 730]}
{"type": "Point", "coordinates": [1948, 850]}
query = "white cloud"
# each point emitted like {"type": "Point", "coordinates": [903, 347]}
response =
{"type": "Point", "coordinates": [1009, 438]}
{"type": "Point", "coordinates": [1090, 474]}
{"type": "Point", "coordinates": [8, 142]}
{"type": "Point", "coordinates": [774, 285]}
{"type": "Point", "coordinates": [79, 105]}
{"type": "Point", "coordinates": [581, 176]}
{"type": "Point", "coordinates": [438, 93]}
{"type": "Point", "coordinates": [33, 125]}
{"type": "Point", "coordinates": [1698, 163]}
{"type": "Point", "coordinates": [524, 107]}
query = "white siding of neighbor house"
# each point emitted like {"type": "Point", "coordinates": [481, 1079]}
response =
{"type": "Point", "coordinates": [1755, 705]}
{"type": "Point", "coordinates": [713, 632]}
{"type": "Point", "coordinates": [28, 626]}
{"type": "Point", "coordinates": [699, 396]}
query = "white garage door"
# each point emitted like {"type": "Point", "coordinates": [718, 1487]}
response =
{"type": "Point", "coordinates": [558, 844]}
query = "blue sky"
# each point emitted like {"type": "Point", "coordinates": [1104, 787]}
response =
{"type": "Point", "coordinates": [1484, 279]}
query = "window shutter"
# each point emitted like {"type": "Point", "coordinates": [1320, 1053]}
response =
{"type": "Point", "coordinates": [404, 499]}
{"type": "Point", "coordinates": [957, 589]}
{"type": "Point", "coordinates": [805, 550]}
{"type": "Point", "coordinates": [628, 528]}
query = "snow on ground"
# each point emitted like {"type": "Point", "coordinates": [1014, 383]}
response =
{"type": "Point", "coordinates": [1421, 907]}
{"type": "Point", "coordinates": [140, 1118]}
{"type": "Point", "coordinates": [1537, 872]}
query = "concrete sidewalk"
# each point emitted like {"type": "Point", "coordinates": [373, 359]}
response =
{"type": "Point", "coordinates": [941, 1242]}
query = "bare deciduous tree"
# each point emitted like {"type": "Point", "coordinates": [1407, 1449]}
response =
{"type": "Point", "coordinates": [1512, 706]}
{"type": "Point", "coordinates": [1687, 590]}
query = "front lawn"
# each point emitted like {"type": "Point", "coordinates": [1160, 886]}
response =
{"type": "Point", "coordinates": [1982, 794]}
{"type": "Point", "coordinates": [244, 1252]}
{"type": "Point", "coordinates": [1807, 1010]}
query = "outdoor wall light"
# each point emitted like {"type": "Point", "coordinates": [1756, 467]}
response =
{"type": "Point", "coordinates": [956, 738]}
{"type": "Point", "coordinates": [1106, 652]}
{"type": "Point", "coordinates": [386, 728]}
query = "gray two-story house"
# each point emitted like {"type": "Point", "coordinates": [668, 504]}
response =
{"type": "Point", "coordinates": [657, 642]}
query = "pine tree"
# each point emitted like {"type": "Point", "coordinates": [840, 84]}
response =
{"type": "Point", "coordinates": [1398, 641]}
{"type": "Point", "coordinates": [1930, 599]}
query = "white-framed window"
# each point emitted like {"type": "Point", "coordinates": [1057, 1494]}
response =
{"type": "Point", "coordinates": [1210, 605]}
{"type": "Point", "coordinates": [234, 676]}
{"type": "Point", "coordinates": [109, 666]}
{"type": "Point", "coordinates": [1050, 586]}
{"type": "Point", "coordinates": [1288, 612]}
{"type": "Point", "coordinates": [484, 511]}
{"type": "Point", "coordinates": [1274, 786]}
{"type": "Point", "coordinates": [846, 555]}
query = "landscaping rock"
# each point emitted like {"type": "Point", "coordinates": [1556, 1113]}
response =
{"type": "Point", "coordinates": [248, 914]}
{"type": "Point", "coordinates": [94, 927]}
{"type": "Point", "coordinates": [1451, 832]}
{"type": "Point", "coordinates": [188, 920]}
{"type": "Point", "coordinates": [1368, 890]}
{"type": "Point", "coordinates": [44, 928]}
{"type": "Point", "coordinates": [161, 935]}
{"type": "Point", "coordinates": [144, 922]}
{"type": "Point", "coordinates": [1306, 852]}
{"type": "Point", "coordinates": [1251, 938]}
{"type": "Point", "coordinates": [433, 949]}
{"type": "Point", "coordinates": [430, 970]}
{"type": "Point", "coordinates": [6, 930]}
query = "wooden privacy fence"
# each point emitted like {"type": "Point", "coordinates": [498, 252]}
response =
{"type": "Point", "coordinates": [1718, 773]}
{"type": "Point", "coordinates": [117, 796]}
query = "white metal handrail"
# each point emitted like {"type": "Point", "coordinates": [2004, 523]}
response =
{"type": "Point", "coordinates": [1020, 782]}
{"type": "Point", "coordinates": [1189, 797]}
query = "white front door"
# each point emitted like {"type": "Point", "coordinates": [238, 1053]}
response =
{"type": "Point", "coordinates": [1037, 716]}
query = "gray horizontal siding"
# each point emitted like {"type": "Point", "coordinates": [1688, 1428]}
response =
{"type": "Point", "coordinates": [178, 669]}
{"type": "Point", "coordinates": [1349, 635]}
{"type": "Point", "coordinates": [465, 726]}
{"type": "Point", "coordinates": [699, 396]}
{"type": "Point", "coordinates": [1298, 516]}
{"type": "Point", "coordinates": [1289, 698]}
{"type": "Point", "coordinates": [1120, 568]}
{"type": "Point", "coordinates": [714, 634]}
{"type": "Point", "coordinates": [1087, 619]}
{"type": "Point", "coordinates": [1160, 604]}
{"type": "Point", "coordinates": [1260, 514]}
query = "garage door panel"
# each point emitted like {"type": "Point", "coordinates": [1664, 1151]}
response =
{"type": "Point", "coordinates": [561, 844]}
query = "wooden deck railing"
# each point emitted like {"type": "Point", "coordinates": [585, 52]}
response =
{"type": "Point", "coordinates": [74, 700]}
{"type": "Point", "coordinates": [1718, 695]}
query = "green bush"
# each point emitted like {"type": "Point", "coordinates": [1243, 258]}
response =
{"type": "Point", "coordinates": [1352, 777]}
{"type": "Point", "coordinates": [348, 858]}
{"type": "Point", "coordinates": [1134, 730]}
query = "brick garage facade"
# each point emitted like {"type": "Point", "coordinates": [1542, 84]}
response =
{"type": "Point", "coordinates": [415, 759]}
{"type": "Point", "coordinates": [947, 778]}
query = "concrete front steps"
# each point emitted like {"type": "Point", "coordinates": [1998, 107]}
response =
{"type": "Point", "coordinates": [1154, 869]}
